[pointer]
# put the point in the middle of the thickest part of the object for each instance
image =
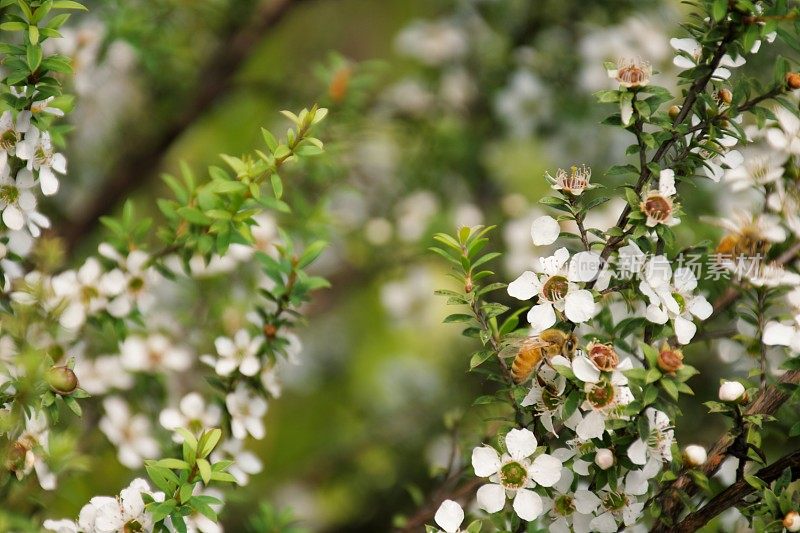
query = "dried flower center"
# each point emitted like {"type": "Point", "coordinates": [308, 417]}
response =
{"type": "Point", "coordinates": [555, 288]}
{"type": "Point", "coordinates": [576, 181]}
{"type": "Point", "coordinates": [632, 76]}
{"type": "Point", "coordinates": [657, 207]}
{"type": "Point", "coordinates": [601, 395]}
{"type": "Point", "coordinates": [564, 505]}
{"type": "Point", "coordinates": [550, 399]}
{"type": "Point", "coordinates": [604, 357]}
{"type": "Point", "coordinates": [513, 475]}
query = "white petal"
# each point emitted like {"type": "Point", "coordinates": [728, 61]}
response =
{"type": "Point", "coordinates": [579, 306]}
{"type": "Point", "coordinates": [585, 370]}
{"type": "Point", "coordinates": [491, 498]}
{"type": "Point", "coordinates": [525, 286]}
{"type": "Point", "coordinates": [656, 314]}
{"type": "Point", "coordinates": [449, 516]}
{"type": "Point", "coordinates": [777, 334]}
{"type": "Point", "coordinates": [636, 483]}
{"type": "Point", "coordinates": [586, 501]}
{"type": "Point", "coordinates": [552, 265]}
{"type": "Point", "coordinates": [12, 217]}
{"type": "Point", "coordinates": [528, 505]}
{"type": "Point", "coordinates": [700, 307]}
{"type": "Point", "coordinates": [545, 230]}
{"type": "Point", "coordinates": [48, 181]}
{"type": "Point", "coordinates": [546, 470]}
{"type": "Point", "coordinates": [686, 44]}
{"type": "Point", "coordinates": [683, 62]}
{"type": "Point", "coordinates": [637, 452]}
{"type": "Point", "coordinates": [685, 280]}
{"type": "Point", "coordinates": [485, 461]}
{"type": "Point", "coordinates": [541, 317]}
{"type": "Point", "coordinates": [666, 182]}
{"type": "Point", "coordinates": [592, 426]}
{"type": "Point", "coordinates": [521, 443]}
{"type": "Point", "coordinates": [584, 266]}
{"type": "Point", "coordinates": [684, 329]}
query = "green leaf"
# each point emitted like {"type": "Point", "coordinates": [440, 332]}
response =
{"type": "Point", "coordinates": [34, 55]}
{"type": "Point", "coordinates": [194, 215]}
{"type": "Point", "coordinates": [223, 476]}
{"type": "Point", "coordinates": [188, 438]}
{"type": "Point", "coordinates": [33, 35]}
{"type": "Point", "coordinates": [172, 463]}
{"type": "Point", "coordinates": [478, 358]}
{"type": "Point", "coordinates": [205, 470]}
{"type": "Point", "coordinates": [69, 4]}
{"type": "Point", "coordinates": [277, 185]}
{"type": "Point", "coordinates": [719, 10]}
{"type": "Point", "coordinates": [208, 442]}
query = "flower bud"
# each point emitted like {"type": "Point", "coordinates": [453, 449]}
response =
{"type": "Point", "coordinates": [270, 331]}
{"type": "Point", "coordinates": [603, 356]}
{"type": "Point", "coordinates": [669, 359]}
{"type": "Point", "coordinates": [793, 80]}
{"type": "Point", "coordinates": [731, 391]}
{"type": "Point", "coordinates": [695, 455]}
{"type": "Point", "coordinates": [604, 458]}
{"type": "Point", "coordinates": [792, 521]}
{"type": "Point", "coordinates": [674, 111]}
{"type": "Point", "coordinates": [725, 96]}
{"type": "Point", "coordinates": [62, 379]}
{"type": "Point", "coordinates": [468, 286]}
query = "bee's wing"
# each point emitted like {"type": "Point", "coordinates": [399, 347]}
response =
{"type": "Point", "coordinates": [512, 346]}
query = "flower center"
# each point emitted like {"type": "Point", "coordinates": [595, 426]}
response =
{"type": "Point", "coordinates": [9, 194]}
{"type": "Point", "coordinates": [657, 207]}
{"type": "Point", "coordinates": [8, 139]}
{"type": "Point", "coordinates": [614, 501]}
{"type": "Point", "coordinates": [601, 395]}
{"type": "Point", "coordinates": [132, 527]}
{"type": "Point", "coordinates": [513, 475]}
{"type": "Point", "coordinates": [564, 505]}
{"type": "Point", "coordinates": [681, 300]}
{"type": "Point", "coordinates": [136, 284]}
{"type": "Point", "coordinates": [555, 288]}
{"type": "Point", "coordinates": [632, 75]}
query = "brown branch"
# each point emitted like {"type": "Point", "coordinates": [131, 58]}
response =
{"type": "Point", "coordinates": [765, 404]}
{"type": "Point", "coordinates": [736, 492]}
{"type": "Point", "coordinates": [143, 158]}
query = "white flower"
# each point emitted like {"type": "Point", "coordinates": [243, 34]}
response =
{"type": "Point", "coordinates": [449, 516]}
{"type": "Point", "coordinates": [557, 289]}
{"type": "Point", "coordinates": [81, 291]}
{"type": "Point", "coordinates": [522, 103]}
{"type": "Point", "coordinates": [198, 522]}
{"type": "Point", "coordinates": [782, 334]}
{"type": "Point", "coordinates": [695, 455]}
{"type": "Point", "coordinates": [672, 298]}
{"type": "Point", "coordinates": [245, 464]}
{"type": "Point", "coordinates": [690, 53]}
{"type": "Point", "coordinates": [632, 72]}
{"type": "Point", "coordinates": [153, 354]}
{"type": "Point", "coordinates": [758, 169]}
{"type": "Point", "coordinates": [658, 204]}
{"type": "Point", "coordinates": [547, 396]}
{"type": "Point", "coordinates": [18, 203]}
{"type": "Point", "coordinates": [102, 374]}
{"type": "Point", "coordinates": [571, 511]}
{"type": "Point", "coordinates": [240, 353]}
{"type": "Point", "coordinates": [104, 514]}
{"type": "Point", "coordinates": [432, 42]}
{"type": "Point", "coordinates": [192, 414]}
{"type": "Point", "coordinates": [717, 164]}
{"type": "Point", "coordinates": [61, 526]}
{"type": "Point", "coordinates": [129, 433]}
{"type": "Point", "coordinates": [657, 448]}
{"type": "Point", "coordinates": [43, 106]}
{"type": "Point", "coordinates": [731, 391]}
{"type": "Point", "coordinates": [574, 182]}
{"type": "Point", "coordinates": [37, 150]}
{"type": "Point", "coordinates": [247, 410]}
{"type": "Point", "coordinates": [514, 474]}
{"type": "Point", "coordinates": [786, 136]}
{"type": "Point", "coordinates": [128, 285]}
{"type": "Point", "coordinates": [10, 135]}
{"type": "Point", "coordinates": [545, 230]}
{"type": "Point", "coordinates": [606, 393]}
{"type": "Point", "coordinates": [604, 458]}
{"type": "Point", "coordinates": [34, 441]}
{"type": "Point", "coordinates": [616, 506]}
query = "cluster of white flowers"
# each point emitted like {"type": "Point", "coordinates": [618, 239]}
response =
{"type": "Point", "coordinates": [107, 514]}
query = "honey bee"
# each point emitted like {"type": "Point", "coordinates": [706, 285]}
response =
{"type": "Point", "coordinates": [745, 238]}
{"type": "Point", "coordinates": [529, 352]}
